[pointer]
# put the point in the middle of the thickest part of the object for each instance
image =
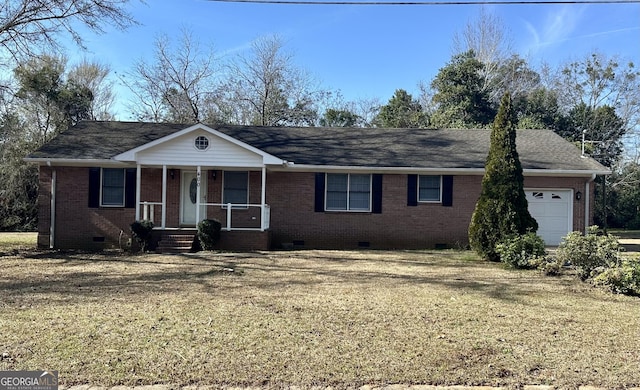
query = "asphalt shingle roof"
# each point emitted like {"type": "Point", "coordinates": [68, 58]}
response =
{"type": "Point", "coordinates": [369, 147]}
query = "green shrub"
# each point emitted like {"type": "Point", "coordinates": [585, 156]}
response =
{"type": "Point", "coordinates": [209, 233]}
{"type": "Point", "coordinates": [590, 252]}
{"type": "Point", "coordinates": [521, 251]}
{"type": "Point", "coordinates": [621, 279]}
{"type": "Point", "coordinates": [141, 232]}
{"type": "Point", "coordinates": [549, 266]}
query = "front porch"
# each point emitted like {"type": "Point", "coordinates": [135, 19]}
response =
{"type": "Point", "coordinates": [200, 173]}
{"type": "Point", "coordinates": [176, 198]}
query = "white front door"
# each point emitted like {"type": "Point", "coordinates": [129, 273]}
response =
{"type": "Point", "coordinates": [553, 211]}
{"type": "Point", "coordinates": [188, 197]}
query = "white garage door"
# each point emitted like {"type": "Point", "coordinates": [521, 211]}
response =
{"type": "Point", "coordinates": [553, 211]}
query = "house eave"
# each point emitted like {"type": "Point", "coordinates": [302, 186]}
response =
{"type": "Point", "coordinates": [291, 167]}
{"type": "Point", "coordinates": [75, 162]}
{"type": "Point", "coordinates": [565, 172]}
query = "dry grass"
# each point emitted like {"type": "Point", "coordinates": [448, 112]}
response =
{"type": "Point", "coordinates": [18, 240]}
{"type": "Point", "coordinates": [310, 318]}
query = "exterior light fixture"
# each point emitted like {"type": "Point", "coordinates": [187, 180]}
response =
{"type": "Point", "coordinates": [578, 195]}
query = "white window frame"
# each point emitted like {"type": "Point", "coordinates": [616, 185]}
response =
{"type": "Point", "coordinates": [439, 200]}
{"type": "Point", "coordinates": [124, 189]}
{"type": "Point", "coordinates": [244, 205]}
{"type": "Point", "coordinates": [196, 143]}
{"type": "Point", "coordinates": [347, 209]}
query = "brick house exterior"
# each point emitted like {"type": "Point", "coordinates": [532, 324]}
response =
{"type": "Point", "coordinates": [277, 187]}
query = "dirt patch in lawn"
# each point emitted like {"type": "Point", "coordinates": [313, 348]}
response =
{"type": "Point", "coordinates": [307, 318]}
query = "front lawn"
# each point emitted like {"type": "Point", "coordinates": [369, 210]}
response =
{"type": "Point", "coordinates": [310, 318]}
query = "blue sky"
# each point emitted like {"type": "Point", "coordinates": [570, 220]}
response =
{"type": "Point", "coordinates": [369, 51]}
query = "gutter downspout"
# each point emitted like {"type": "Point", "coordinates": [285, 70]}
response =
{"type": "Point", "coordinates": [587, 202]}
{"type": "Point", "coordinates": [52, 223]}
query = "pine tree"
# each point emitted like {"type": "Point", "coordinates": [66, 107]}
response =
{"type": "Point", "coordinates": [502, 209]}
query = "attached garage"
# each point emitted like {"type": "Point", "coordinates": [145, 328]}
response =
{"type": "Point", "coordinates": [552, 208]}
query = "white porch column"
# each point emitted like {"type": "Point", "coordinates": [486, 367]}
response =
{"type": "Point", "coordinates": [52, 226]}
{"type": "Point", "coordinates": [164, 197]}
{"type": "Point", "coordinates": [198, 180]}
{"type": "Point", "coordinates": [263, 197]}
{"type": "Point", "coordinates": [138, 177]}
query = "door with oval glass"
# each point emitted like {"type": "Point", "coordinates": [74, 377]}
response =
{"type": "Point", "coordinates": [188, 197]}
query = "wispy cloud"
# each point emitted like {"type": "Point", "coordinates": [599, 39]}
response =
{"type": "Point", "coordinates": [558, 26]}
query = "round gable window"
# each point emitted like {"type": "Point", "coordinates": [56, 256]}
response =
{"type": "Point", "coordinates": [202, 143]}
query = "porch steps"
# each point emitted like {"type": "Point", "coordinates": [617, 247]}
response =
{"type": "Point", "coordinates": [175, 242]}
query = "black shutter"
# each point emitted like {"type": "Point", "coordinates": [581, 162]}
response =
{"type": "Point", "coordinates": [94, 187]}
{"type": "Point", "coordinates": [376, 184]}
{"type": "Point", "coordinates": [130, 188]}
{"type": "Point", "coordinates": [412, 190]}
{"type": "Point", "coordinates": [319, 198]}
{"type": "Point", "coordinates": [447, 190]}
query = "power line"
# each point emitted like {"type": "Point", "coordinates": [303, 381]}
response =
{"type": "Point", "coordinates": [432, 3]}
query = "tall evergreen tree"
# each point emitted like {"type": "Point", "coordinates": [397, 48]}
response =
{"type": "Point", "coordinates": [502, 208]}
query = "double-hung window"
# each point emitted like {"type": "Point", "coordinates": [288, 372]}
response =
{"type": "Point", "coordinates": [113, 180]}
{"type": "Point", "coordinates": [236, 188]}
{"type": "Point", "coordinates": [429, 188]}
{"type": "Point", "coordinates": [348, 192]}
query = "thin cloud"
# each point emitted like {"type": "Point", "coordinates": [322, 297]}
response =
{"type": "Point", "coordinates": [558, 27]}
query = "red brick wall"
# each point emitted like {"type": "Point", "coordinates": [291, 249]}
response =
{"type": "Point", "coordinates": [293, 219]}
{"type": "Point", "coordinates": [398, 226]}
{"type": "Point", "coordinates": [77, 225]}
{"type": "Point", "coordinates": [291, 197]}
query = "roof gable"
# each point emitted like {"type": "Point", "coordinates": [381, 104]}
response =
{"type": "Point", "coordinates": [179, 148]}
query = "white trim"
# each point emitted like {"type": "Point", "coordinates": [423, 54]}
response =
{"type": "Point", "coordinates": [195, 143]}
{"type": "Point", "coordinates": [347, 209]}
{"type": "Point", "coordinates": [130, 155]}
{"type": "Point", "coordinates": [263, 198]}
{"type": "Point", "coordinates": [52, 226]}
{"type": "Point", "coordinates": [283, 165]}
{"type": "Point", "coordinates": [429, 201]}
{"type": "Point", "coordinates": [73, 162]}
{"type": "Point", "coordinates": [427, 171]}
{"type": "Point", "coordinates": [138, 186]}
{"type": "Point", "coordinates": [163, 220]}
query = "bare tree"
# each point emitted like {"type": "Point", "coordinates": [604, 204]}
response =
{"type": "Point", "coordinates": [177, 85]}
{"type": "Point", "coordinates": [93, 76]}
{"type": "Point", "coordinates": [603, 85]}
{"type": "Point", "coordinates": [598, 80]}
{"type": "Point", "coordinates": [29, 25]}
{"type": "Point", "coordinates": [488, 39]}
{"type": "Point", "coordinates": [268, 89]}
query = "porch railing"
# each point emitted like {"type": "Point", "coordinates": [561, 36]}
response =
{"type": "Point", "coordinates": [228, 210]}
{"type": "Point", "coordinates": [224, 212]}
{"type": "Point", "coordinates": [149, 210]}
